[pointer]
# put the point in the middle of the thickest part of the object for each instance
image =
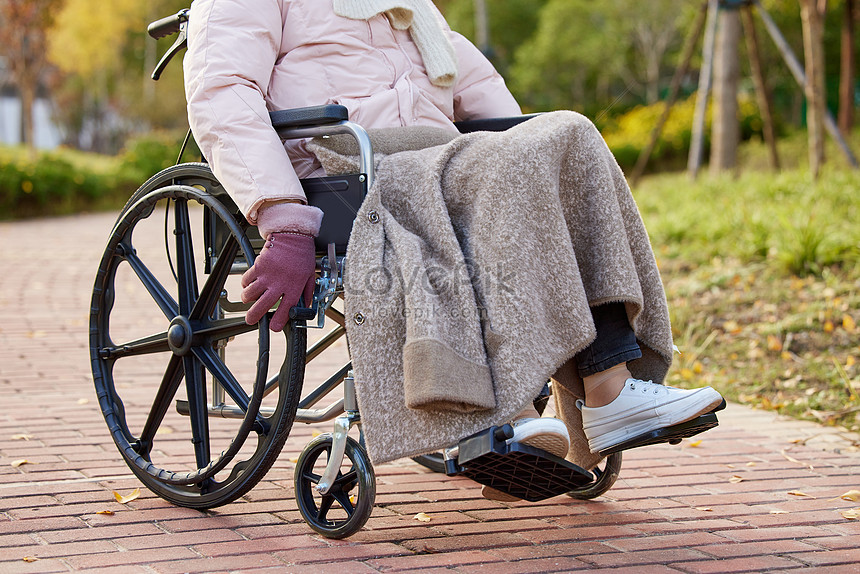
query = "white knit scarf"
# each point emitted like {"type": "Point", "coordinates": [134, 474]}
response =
{"type": "Point", "coordinates": [424, 25]}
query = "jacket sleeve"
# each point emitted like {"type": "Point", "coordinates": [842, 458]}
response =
{"type": "Point", "coordinates": [232, 49]}
{"type": "Point", "coordinates": [480, 91]}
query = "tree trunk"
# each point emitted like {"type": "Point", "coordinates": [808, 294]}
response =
{"type": "Point", "coordinates": [815, 92]}
{"type": "Point", "coordinates": [482, 27]}
{"type": "Point", "coordinates": [697, 135]}
{"type": "Point", "coordinates": [28, 97]}
{"type": "Point", "coordinates": [846, 76]}
{"type": "Point", "coordinates": [761, 91]}
{"type": "Point", "coordinates": [725, 130]}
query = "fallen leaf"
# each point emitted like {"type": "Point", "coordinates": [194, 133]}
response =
{"type": "Point", "coordinates": [779, 512]}
{"type": "Point", "coordinates": [126, 499]}
{"type": "Point", "coordinates": [19, 462]}
{"type": "Point", "coordinates": [794, 460]}
{"type": "Point", "coordinates": [316, 433]}
{"type": "Point", "coordinates": [294, 459]}
{"type": "Point", "coordinates": [29, 559]}
{"type": "Point", "coordinates": [852, 514]}
{"type": "Point", "coordinates": [353, 499]}
{"type": "Point", "coordinates": [828, 326]}
{"type": "Point", "coordinates": [849, 362]}
{"type": "Point", "coordinates": [750, 463]}
{"type": "Point", "coordinates": [848, 323]}
{"type": "Point", "coordinates": [736, 479]}
{"type": "Point", "coordinates": [695, 443]}
{"type": "Point", "coordinates": [422, 517]}
{"type": "Point", "coordinates": [22, 436]}
{"type": "Point", "coordinates": [852, 495]}
{"type": "Point", "coordinates": [107, 512]}
{"type": "Point", "coordinates": [799, 493]}
{"type": "Point", "coordinates": [774, 343]}
{"type": "Point", "coordinates": [789, 458]}
{"type": "Point", "coordinates": [83, 401]}
{"type": "Point", "coordinates": [705, 508]}
{"type": "Point", "coordinates": [731, 327]}
{"type": "Point", "coordinates": [164, 430]}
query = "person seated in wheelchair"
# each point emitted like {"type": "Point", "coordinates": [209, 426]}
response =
{"type": "Point", "coordinates": [396, 63]}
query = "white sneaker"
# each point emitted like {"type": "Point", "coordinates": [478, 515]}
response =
{"type": "Point", "coordinates": [642, 407]}
{"type": "Point", "coordinates": [545, 433]}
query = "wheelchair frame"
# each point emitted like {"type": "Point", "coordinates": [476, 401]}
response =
{"type": "Point", "coordinates": [199, 330]}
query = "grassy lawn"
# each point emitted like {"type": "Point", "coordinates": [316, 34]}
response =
{"type": "Point", "coordinates": [762, 273]}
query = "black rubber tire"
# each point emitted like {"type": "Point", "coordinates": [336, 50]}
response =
{"type": "Point", "coordinates": [239, 472]}
{"type": "Point", "coordinates": [604, 478]}
{"type": "Point", "coordinates": [315, 507]}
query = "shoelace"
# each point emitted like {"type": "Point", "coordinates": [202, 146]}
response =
{"type": "Point", "coordinates": [645, 385]}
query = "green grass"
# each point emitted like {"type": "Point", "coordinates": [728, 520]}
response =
{"type": "Point", "coordinates": [762, 273]}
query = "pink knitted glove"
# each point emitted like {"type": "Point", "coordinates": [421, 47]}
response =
{"type": "Point", "coordinates": [284, 270]}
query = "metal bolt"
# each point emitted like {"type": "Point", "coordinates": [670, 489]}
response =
{"type": "Point", "coordinates": [361, 178]}
{"type": "Point", "coordinates": [358, 318]}
{"type": "Point", "coordinates": [373, 217]}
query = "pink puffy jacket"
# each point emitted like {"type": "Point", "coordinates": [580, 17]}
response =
{"type": "Point", "coordinates": [247, 57]}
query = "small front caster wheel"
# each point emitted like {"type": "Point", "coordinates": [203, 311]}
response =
{"type": "Point", "coordinates": [603, 478]}
{"type": "Point", "coordinates": [346, 507]}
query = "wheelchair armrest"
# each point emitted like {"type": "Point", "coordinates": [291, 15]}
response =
{"type": "Point", "coordinates": [491, 124]}
{"type": "Point", "coordinates": [310, 116]}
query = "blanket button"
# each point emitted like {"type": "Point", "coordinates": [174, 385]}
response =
{"type": "Point", "coordinates": [358, 318]}
{"type": "Point", "coordinates": [373, 217]}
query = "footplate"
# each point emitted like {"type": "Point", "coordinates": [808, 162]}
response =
{"type": "Point", "coordinates": [673, 434]}
{"type": "Point", "coordinates": [522, 471]}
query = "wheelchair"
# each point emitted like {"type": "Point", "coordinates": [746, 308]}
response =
{"type": "Point", "coordinates": [239, 408]}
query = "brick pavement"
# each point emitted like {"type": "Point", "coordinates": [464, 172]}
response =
{"type": "Point", "coordinates": [674, 508]}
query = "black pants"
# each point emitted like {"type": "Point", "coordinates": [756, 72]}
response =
{"type": "Point", "coordinates": [615, 342]}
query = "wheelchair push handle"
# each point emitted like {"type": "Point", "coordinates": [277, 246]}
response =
{"type": "Point", "coordinates": [169, 25]}
{"type": "Point", "coordinates": [177, 23]}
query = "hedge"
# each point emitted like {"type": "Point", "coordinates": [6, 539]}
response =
{"type": "Point", "coordinates": [64, 181]}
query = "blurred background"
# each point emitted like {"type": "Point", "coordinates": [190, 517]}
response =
{"type": "Point", "coordinates": [760, 252]}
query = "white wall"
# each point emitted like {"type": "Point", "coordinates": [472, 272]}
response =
{"type": "Point", "coordinates": [46, 134]}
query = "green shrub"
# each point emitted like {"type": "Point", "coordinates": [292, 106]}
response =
{"type": "Point", "coordinates": [48, 183]}
{"type": "Point", "coordinates": [628, 134]}
{"type": "Point", "coordinates": [148, 154]}
{"type": "Point", "coordinates": [66, 181]}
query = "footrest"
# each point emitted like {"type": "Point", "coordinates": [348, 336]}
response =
{"type": "Point", "coordinates": [672, 435]}
{"type": "Point", "coordinates": [522, 471]}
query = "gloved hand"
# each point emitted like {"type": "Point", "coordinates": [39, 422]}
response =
{"type": "Point", "coordinates": [284, 270]}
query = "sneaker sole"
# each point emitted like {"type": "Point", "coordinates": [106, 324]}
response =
{"type": "Point", "coordinates": [694, 405]}
{"type": "Point", "coordinates": [550, 442]}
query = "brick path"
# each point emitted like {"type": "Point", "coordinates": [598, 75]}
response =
{"type": "Point", "coordinates": [674, 509]}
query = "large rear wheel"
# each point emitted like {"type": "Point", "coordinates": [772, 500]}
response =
{"type": "Point", "coordinates": [198, 425]}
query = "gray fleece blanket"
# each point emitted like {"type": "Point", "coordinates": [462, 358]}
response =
{"type": "Point", "coordinates": [472, 267]}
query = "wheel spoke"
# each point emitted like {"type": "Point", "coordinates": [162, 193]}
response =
{"type": "Point", "coordinates": [313, 478]}
{"type": "Point", "coordinates": [198, 410]}
{"type": "Point", "coordinates": [219, 370]}
{"type": "Point", "coordinates": [325, 506]}
{"type": "Point", "coordinates": [186, 273]}
{"type": "Point", "coordinates": [162, 298]}
{"type": "Point", "coordinates": [153, 344]}
{"type": "Point", "coordinates": [343, 499]}
{"type": "Point", "coordinates": [223, 329]}
{"type": "Point", "coordinates": [347, 481]}
{"type": "Point", "coordinates": [215, 282]}
{"type": "Point", "coordinates": [163, 398]}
